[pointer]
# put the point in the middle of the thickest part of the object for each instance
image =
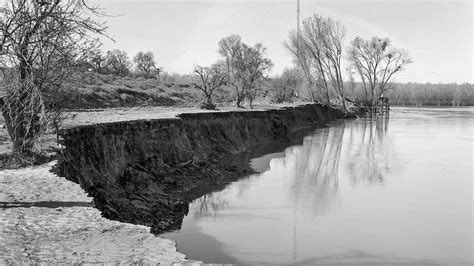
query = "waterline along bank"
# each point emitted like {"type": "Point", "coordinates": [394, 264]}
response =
{"type": "Point", "coordinates": [143, 171]}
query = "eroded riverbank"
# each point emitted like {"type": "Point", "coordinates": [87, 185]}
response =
{"type": "Point", "coordinates": [145, 172]}
{"type": "Point", "coordinates": [142, 171]}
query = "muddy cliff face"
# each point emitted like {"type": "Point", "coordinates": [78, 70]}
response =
{"type": "Point", "coordinates": [142, 171]}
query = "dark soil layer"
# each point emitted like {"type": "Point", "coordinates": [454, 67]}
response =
{"type": "Point", "coordinates": [148, 171]}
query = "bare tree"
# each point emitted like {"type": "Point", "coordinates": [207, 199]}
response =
{"type": "Point", "coordinates": [285, 85]}
{"type": "Point", "coordinates": [37, 39]}
{"type": "Point", "coordinates": [246, 66]}
{"type": "Point", "coordinates": [319, 46]}
{"type": "Point", "coordinates": [211, 79]}
{"type": "Point", "coordinates": [305, 62]}
{"type": "Point", "coordinates": [145, 64]}
{"type": "Point", "coordinates": [118, 63]}
{"type": "Point", "coordinates": [229, 48]}
{"type": "Point", "coordinates": [250, 67]}
{"type": "Point", "coordinates": [375, 62]}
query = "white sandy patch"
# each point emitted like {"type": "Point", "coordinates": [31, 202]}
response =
{"type": "Point", "coordinates": [37, 183]}
{"type": "Point", "coordinates": [146, 113]}
{"type": "Point", "coordinates": [68, 234]}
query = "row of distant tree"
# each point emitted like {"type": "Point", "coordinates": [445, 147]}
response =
{"type": "Point", "coordinates": [291, 84]}
{"type": "Point", "coordinates": [117, 62]}
{"type": "Point", "coordinates": [427, 94]}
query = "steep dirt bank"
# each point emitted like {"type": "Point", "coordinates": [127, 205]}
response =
{"type": "Point", "coordinates": [141, 171]}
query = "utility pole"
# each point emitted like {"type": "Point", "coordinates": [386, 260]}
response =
{"type": "Point", "coordinates": [298, 18]}
{"type": "Point", "coordinates": [295, 206]}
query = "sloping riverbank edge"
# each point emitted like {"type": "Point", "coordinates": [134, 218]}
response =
{"type": "Point", "coordinates": [142, 171]}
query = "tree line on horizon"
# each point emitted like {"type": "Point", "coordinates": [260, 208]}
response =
{"type": "Point", "coordinates": [429, 94]}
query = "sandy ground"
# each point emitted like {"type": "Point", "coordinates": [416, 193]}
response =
{"type": "Point", "coordinates": [63, 227]}
{"type": "Point", "coordinates": [125, 114]}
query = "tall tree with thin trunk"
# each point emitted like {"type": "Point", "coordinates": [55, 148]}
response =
{"type": "Point", "coordinates": [303, 61]}
{"type": "Point", "coordinates": [230, 48]}
{"type": "Point", "coordinates": [376, 61]}
{"type": "Point", "coordinates": [246, 66]}
{"type": "Point", "coordinates": [251, 66]}
{"type": "Point", "coordinates": [38, 38]}
{"type": "Point", "coordinates": [318, 50]}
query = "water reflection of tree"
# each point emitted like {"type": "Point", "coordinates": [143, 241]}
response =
{"type": "Point", "coordinates": [210, 204]}
{"type": "Point", "coordinates": [314, 168]}
{"type": "Point", "coordinates": [368, 150]}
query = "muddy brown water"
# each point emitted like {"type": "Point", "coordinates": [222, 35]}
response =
{"type": "Point", "coordinates": [389, 191]}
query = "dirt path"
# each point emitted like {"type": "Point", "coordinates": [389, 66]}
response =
{"type": "Point", "coordinates": [134, 113]}
{"type": "Point", "coordinates": [48, 219]}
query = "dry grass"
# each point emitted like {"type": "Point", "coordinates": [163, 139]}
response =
{"type": "Point", "coordinates": [105, 91]}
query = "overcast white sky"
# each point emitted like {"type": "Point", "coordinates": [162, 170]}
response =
{"type": "Point", "coordinates": [437, 34]}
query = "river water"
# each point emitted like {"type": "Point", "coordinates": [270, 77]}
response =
{"type": "Point", "coordinates": [395, 190]}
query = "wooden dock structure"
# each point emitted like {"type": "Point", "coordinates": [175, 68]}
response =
{"type": "Point", "coordinates": [383, 105]}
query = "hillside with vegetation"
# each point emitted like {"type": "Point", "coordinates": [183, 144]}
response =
{"type": "Point", "coordinates": [108, 90]}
